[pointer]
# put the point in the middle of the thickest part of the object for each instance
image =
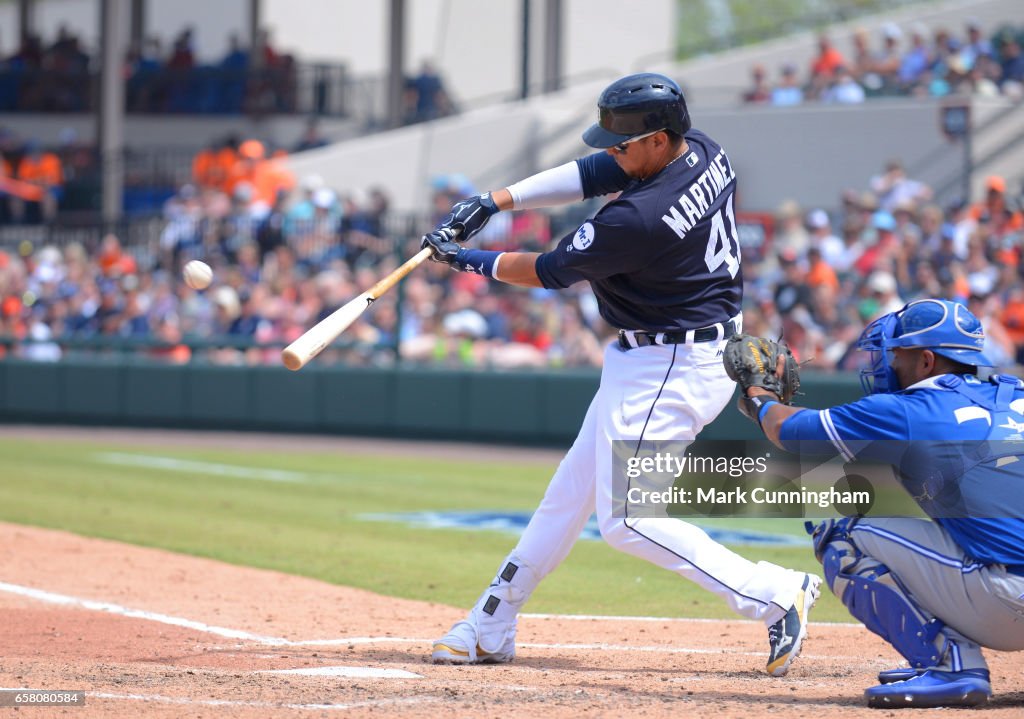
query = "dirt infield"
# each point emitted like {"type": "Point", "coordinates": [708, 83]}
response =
{"type": "Point", "coordinates": [149, 633]}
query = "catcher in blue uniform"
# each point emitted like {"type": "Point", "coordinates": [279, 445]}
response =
{"type": "Point", "coordinates": [938, 589]}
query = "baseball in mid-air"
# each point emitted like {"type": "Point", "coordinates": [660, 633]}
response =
{"type": "Point", "coordinates": [198, 274]}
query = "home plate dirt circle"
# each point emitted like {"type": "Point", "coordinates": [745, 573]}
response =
{"type": "Point", "coordinates": [149, 633]}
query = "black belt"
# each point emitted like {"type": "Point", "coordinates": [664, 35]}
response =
{"type": "Point", "coordinates": [631, 339]}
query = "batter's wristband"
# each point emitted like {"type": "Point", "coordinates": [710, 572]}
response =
{"type": "Point", "coordinates": [480, 262]}
{"type": "Point", "coordinates": [764, 409]}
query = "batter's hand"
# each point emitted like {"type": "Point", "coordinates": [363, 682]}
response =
{"type": "Point", "coordinates": [443, 242]}
{"type": "Point", "coordinates": [763, 363]}
{"type": "Point", "coordinates": [469, 216]}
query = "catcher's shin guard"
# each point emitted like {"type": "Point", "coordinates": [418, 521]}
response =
{"type": "Point", "coordinates": [488, 634]}
{"type": "Point", "coordinates": [872, 594]}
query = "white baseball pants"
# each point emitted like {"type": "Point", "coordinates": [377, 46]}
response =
{"type": "Point", "coordinates": [661, 392]}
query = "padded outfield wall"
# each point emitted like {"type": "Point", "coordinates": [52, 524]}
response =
{"type": "Point", "coordinates": [537, 408]}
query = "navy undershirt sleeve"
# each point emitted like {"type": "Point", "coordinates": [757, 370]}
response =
{"type": "Point", "coordinates": [601, 175]}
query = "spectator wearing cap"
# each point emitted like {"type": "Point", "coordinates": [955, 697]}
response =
{"type": "Point", "coordinates": [878, 252]}
{"type": "Point", "coordinates": [997, 208]}
{"type": "Point", "coordinates": [905, 214]}
{"type": "Point", "coordinates": [302, 210]}
{"type": "Point", "coordinates": [884, 293]}
{"type": "Point", "coordinates": [788, 91]}
{"type": "Point", "coordinates": [317, 240]}
{"type": "Point", "coordinates": [822, 237]}
{"type": "Point", "coordinates": [893, 187]}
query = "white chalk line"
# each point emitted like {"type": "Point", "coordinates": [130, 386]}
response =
{"type": "Point", "coordinates": [185, 701]}
{"type": "Point", "coordinates": [111, 608]}
{"type": "Point", "coordinates": [685, 620]}
{"type": "Point", "coordinates": [349, 672]}
{"type": "Point", "coordinates": [172, 464]}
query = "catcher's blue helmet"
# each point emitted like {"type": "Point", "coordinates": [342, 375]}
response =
{"type": "Point", "coordinates": [946, 328]}
{"type": "Point", "coordinates": [635, 105]}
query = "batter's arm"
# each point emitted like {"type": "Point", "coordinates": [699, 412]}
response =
{"type": "Point", "coordinates": [518, 268]}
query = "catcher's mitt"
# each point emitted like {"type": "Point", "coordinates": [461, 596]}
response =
{"type": "Point", "coordinates": [754, 362]}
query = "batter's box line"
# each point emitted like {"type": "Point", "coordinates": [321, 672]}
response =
{"type": "Point", "coordinates": [185, 701]}
{"type": "Point", "coordinates": [117, 609]}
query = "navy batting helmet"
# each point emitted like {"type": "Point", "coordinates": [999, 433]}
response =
{"type": "Point", "coordinates": [636, 105]}
{"type": "Point", "coordinates": [946, 328]}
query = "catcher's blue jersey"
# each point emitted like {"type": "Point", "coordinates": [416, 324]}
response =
{"type": "Point", "coordinates": [664, 255]}
{"type": "Point", "coordinates": [952, 433]}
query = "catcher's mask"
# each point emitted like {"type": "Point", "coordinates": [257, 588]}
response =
{"type": "Point", "coordinates": [638, 105]}
{"type": "Point", "coordinates": [946, 328]}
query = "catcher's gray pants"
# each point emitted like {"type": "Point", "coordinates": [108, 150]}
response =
{"type": "Point", "coordinates": [981, 606]}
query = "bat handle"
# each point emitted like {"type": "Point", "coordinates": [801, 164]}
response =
{"type": "Point", "coordinates": [395, 277]}
{"type": "Point", "coordinates": [406, 267]}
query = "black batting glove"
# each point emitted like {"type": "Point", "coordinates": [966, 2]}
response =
{"type": "Point", "coordinates": [469, 216]}
{"type": "Point", "coordinates": [442, 241]}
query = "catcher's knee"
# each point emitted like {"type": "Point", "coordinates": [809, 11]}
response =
{"type": "Point", "coordinates": [872, 594]}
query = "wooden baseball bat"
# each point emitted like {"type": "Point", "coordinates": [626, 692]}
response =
{"type": "Point", "coordinates": [309, 345]}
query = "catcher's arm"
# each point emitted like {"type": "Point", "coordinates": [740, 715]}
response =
{"type": "Point", "coordinates": [775, 415]}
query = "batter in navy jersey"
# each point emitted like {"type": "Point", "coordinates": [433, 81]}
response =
{"type": "Point", "coordinates": [938, 590]}
{"type": "Point", "coordinates": [664, 262]}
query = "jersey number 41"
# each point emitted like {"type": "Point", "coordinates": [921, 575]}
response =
{"type": "Point", "coordinates": [722, 241]}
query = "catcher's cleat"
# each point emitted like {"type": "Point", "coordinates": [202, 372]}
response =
{"type": "Point", "coordinates": [460, 646]}
{"type": "Point", "coordinates": [901, 674]}
{"type": "Point", "coordinates": [933, 688]}
{"type": "Point", "coordinates": [787, 635]}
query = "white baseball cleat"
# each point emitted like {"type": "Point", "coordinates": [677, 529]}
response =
{"type": "Point", "coordinates": [461, 646]}
{"type": "Point", "coordinates": [787, 635]}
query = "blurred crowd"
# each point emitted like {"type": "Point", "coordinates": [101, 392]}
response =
{"type": "Point", "coordinates": [824, 277]}
{"type": "Point", "coordinates": [56, 77]}
{"type": "Point", "coordinates": [911, 61]}
{"type": "Point", "coordinates": [285, 254]}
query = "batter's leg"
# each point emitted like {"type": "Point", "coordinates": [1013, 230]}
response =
{"type": "Point", "coordinates": [487, 635]}
{"type": "Point", "coordinates": [670, 394]}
